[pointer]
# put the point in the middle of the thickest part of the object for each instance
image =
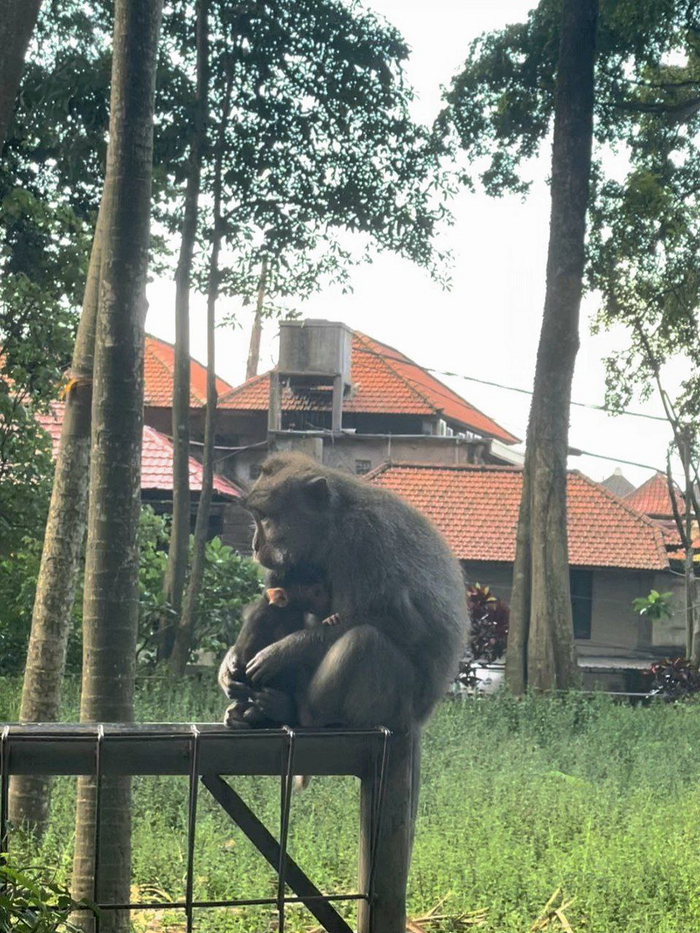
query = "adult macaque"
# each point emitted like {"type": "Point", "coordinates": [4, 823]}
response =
{"type": "Point", "coordinates": [395, 585]}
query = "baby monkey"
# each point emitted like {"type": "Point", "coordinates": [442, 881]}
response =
{"type": "Point", "coordinates": [286, 605]}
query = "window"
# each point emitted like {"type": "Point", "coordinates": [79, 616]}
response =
{"type": "Point", "coordinates": [362, 467]}
{"type": "Point", "coordinates": [581, 582]}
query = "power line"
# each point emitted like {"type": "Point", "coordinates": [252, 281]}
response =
{"type": "Point", "coordinates": [500, 385]}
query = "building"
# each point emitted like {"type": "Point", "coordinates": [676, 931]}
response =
{"type": "Point", "coordinates": [616, 554]}
{"type": "Point", "coordinates": [618, 484]}
{"type": "Point", "coordinates": [388, 408]}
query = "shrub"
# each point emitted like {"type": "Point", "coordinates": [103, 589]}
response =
{"type": "Point", "coordinates": [488, 633]}
{"type": "Point", "coordinates": [30, 906]}
{"type": "Point", "coordinates": [674, 680]}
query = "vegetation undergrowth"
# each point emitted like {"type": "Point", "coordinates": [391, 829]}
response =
{"type": "Point", "coordinates": [594, 797]}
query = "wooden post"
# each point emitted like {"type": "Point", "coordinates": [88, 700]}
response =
{"type": "Point", "coordinates": [274, 418]}
{"type": "Point", "coordinates": [386, 882]}
{"type": "Point", "coordinates": [337, 411]}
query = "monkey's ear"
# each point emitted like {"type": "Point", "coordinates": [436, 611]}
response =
{"type": "Point", "coordinates": [317, 490]}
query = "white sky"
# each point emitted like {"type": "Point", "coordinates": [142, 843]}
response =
{"type": "Point", "coordinates": [488, 325]}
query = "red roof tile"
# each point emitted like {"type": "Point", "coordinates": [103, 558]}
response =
{"type": "Point", "coordinates": [653, 498]}
{"type": "Point", "coordinates": [159, 366]}
{"type": "Point", "coordinates": [384, 382]}
{"type": "Point", "coordinates": [476, 508]}
{"type": "Point", "coordinates": [156, 458]}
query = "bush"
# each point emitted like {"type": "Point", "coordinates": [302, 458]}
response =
{"type": "Point", "coordinates": [488, 633]}
{"type": "Point", "coordinates": [30, 906]}
{"type": "Point", "coordinates": [674, 680]}
{"type": "Point", "coordinates": [230, 582]}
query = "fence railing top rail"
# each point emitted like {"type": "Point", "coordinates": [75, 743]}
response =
{"type": "Point", "coordinates": [166, 748]}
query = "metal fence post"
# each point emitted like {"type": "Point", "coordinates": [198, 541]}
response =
{"type": "Point", "coordinates": [385, 839]}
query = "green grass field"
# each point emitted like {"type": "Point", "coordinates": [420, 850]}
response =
{"type": "Point", "coordinates": [598, 800]}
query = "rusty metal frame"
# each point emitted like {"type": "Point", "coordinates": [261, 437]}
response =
{"type": "Point", "coordinates": [376, 745]}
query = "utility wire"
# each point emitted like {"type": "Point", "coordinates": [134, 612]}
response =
{"type": "Point", "coordinates": [499, 385]}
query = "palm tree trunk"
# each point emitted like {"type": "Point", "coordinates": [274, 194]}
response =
{"type": "Point", "coordinates": [542, 652]}
{"type": "Point", "coordinates": [60, 557]}
{"type": "Point", "coordinates": [178, 554]}
{"type": "Point", "coordinates": [110, 608]}
{"type": "Point", "coordinates": [186, 624]}
{"type": "Point", "coordinates": [256, 332]}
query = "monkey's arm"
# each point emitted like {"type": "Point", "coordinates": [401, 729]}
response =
{"type": "Point", "coordinates": [300, 649]}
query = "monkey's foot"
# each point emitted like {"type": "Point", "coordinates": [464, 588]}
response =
{"type": "Point", "coordinates": [233, 717]}
{"type": "Point", "coordinates": [332, 619]}
{"type": "Point", "coordinates": [274, 705]}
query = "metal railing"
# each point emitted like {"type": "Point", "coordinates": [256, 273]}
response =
{"type": "Point", "coordinates": [207, 753]}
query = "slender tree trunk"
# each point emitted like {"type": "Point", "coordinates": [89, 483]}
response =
{"type": "Point", "coordinates": [186, 624]}
{"type": "Point", "coordinates": [178, 554]}
{"type": "Point", "coordinates": [60, 558]}
{"type": "Point", "coordinates": [17, 22]}
{"type": "Point", "coordinates": [110, 608]}
{"type": "Point", "coordinates": [688, 567]}
{"type": "Point", "coordinates": [542, 653]}
{"type": "Point", "coordinates": [256, 333]}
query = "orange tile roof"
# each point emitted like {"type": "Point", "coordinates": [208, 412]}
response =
{"type": "Point", "coordinates": [156, 458]}
{"type": "Point", "coordinates": [384, 382]}
{"type": "Point", "coordinates": [476, 508]}
{"type": "Point", "coordinates": [652, 498]}
{"type": "Point", "coordinates": [159, 366]}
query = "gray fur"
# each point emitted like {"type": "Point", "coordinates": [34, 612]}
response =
{"type": "Point", "coordinates": [393, 580]}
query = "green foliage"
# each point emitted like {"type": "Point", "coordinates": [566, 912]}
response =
{"type": "Point", "coordinates": [655, 606]}
{"type": "Point", "coordinates": [644, 227]}
{"type": "Point", "coordinates": [518, 798]}
{"type": "Point", "coordinates": [230, 583]}
{"type": "Point", "coordinates": [28, 905]}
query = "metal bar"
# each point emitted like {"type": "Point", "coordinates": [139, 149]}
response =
{"type": "Point", "coordinates": [269, 848]}
{"type": "Point", "coordinates": [285, 806]}
{"type": "Point", "coordinates": [235, 902]}
{"type": "Point", "coordinates": [129, 750]}
{"type": "Point", "coordinates": [191, 818]}
{"type": "Point", "coordinates": [377, 817]}
{"type": "Point", "coordinates": [4, 785]}
{"type": "Point", "coordinates": [98, 819]}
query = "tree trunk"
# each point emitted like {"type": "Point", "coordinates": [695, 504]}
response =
{"type": "Point", "coordinates": [110, 608]}
{"type": "Point", "coordinates": [17, 22]}
{"type": "Point", "coordinates": [185, 629]}
{"type": "Point", "coordinates": [541, 651]}
{"type": "Point", "coordinates": [256, 333]}
{"type": "Point", "coordinates": [186, 624]}
{"type": "Point", "coordinates": [176, 573]}
{"type": "Point", "coordinates": [60, 557]}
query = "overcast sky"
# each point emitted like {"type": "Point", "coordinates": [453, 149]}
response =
{"type": "Point", "coordinates": [487, 325]}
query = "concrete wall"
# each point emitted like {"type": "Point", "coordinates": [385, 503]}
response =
{"type": "Point", "coordinates": [615, 628]}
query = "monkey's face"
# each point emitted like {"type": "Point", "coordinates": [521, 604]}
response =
{"type": "Point", "coordinates": [291, 509]}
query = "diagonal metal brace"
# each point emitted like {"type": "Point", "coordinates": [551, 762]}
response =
{"type": "Point", "coordinates": [267, 845]}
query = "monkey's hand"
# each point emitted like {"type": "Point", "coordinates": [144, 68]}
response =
{"type": "Point", "coordinates": [266, 665]}
{"type": "Point", "coordinates": [232, 677]}
{"type": "Point", "coordinates": [332, 619]}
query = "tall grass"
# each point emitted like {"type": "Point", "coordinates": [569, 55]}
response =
{"type": "Point", "coordinates": [598, 799]}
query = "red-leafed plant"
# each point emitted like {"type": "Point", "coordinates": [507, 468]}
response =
{"type": "Point", "coordinates": [674, 679]}
{"type": "Point", "coordinates": [488, 636]}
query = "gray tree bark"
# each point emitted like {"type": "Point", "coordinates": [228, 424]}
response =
{"type": "Point", "coordinates": [178, 554]}
{"type": "Point", "coordinates": [17, 21]}
{"type": "Point", "coordinates": [110, 608]}
{"type": "Point", "coordinates": [186, 624]}
{"type": "Point", "coordinates": [541, 651]}
{"type": "Point", "coordinates": [256, 331]}
{"type": "Point", "coordinates": [60, 557]}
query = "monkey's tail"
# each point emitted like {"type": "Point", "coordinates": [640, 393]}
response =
{"type": "Point", "coordinates": [300, 783]}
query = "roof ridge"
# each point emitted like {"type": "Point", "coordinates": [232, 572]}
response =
{"type": "Point", "coordinates": [193, 359]}
{"type": "Point", "coordinates": [454, 467]}
{"type": "Point", "coordinates": [618, 500]}
{"type": "Point", "coordinates": [244, 385]}
{"type": "Point", "coordinates": [455, 396]}
{"type": "Point", "coordinates": [171, 372]}
{"type": "Point", "coordinates": [385, 360]}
